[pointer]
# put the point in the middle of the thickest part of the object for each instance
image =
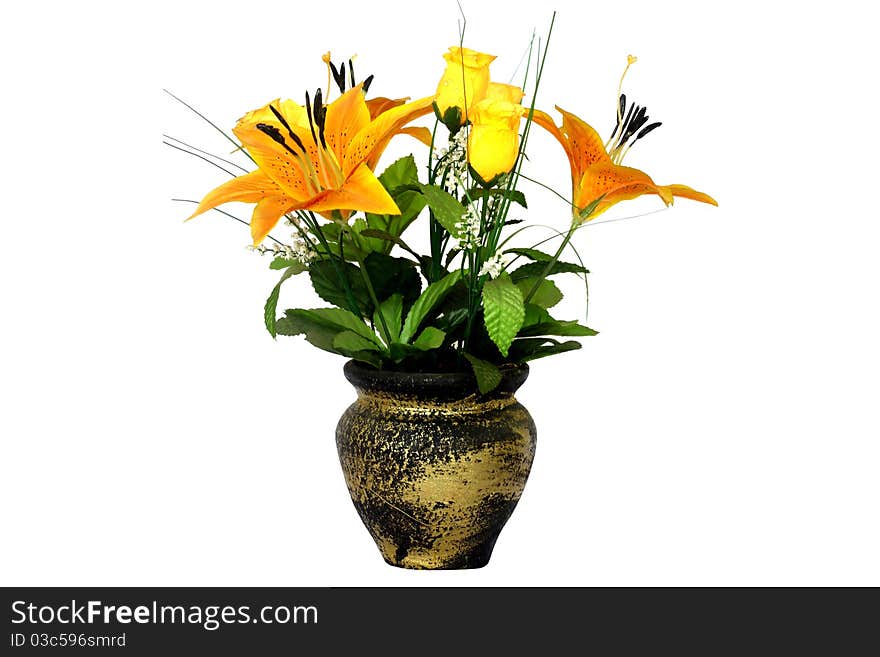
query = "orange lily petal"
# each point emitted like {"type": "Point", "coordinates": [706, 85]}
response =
{"type": "Point", "coordinates": [422, 134]}
{"type": "Point", "coordinates": [249, 188]}
{"type": "Point", "coordinates": [345, 117]}
{"type": "Point", "coordinates": [684, 191]}
{"type": "Point", "coordinates": [380, 104]}
{"type": "Point", "coordinates": [267, 214]}
{"type": "Point", "coordinates": [374, 136]}
{"type": "Point", "coordinates": [361, 191]}
{"type": "Point", "coordinates": [272, 158]}
{"type": "Point", "coordinates": [617, 183]}
{"type": "Point", "coordinates": [585, 143]}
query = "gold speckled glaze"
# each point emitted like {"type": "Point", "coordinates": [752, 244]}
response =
{"type": "Point", "coordinates": [434, 469]}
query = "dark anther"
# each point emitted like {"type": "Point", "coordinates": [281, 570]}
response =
{"type": "Point", "coordinates": [619, 117]}
{"type": "Point", "coordinates": [320, 114]}
{"type": "Point", "coordinates": [648, 129]}
{"type": "Point", "coordinates": [367, 83]}
{"type": "Point", "coordinates": [311, 119]}
{"type": "Point", "coordinates": [351, 73]}
{"type": "Point", "coordinates": [626, 120]}
{"type": "Point", "coordinates": [636, 122]}
{"type": "Point", "coordinates": [275, 134]}
{"type": "Point", "coordinates": [338, 76]}
{"type": "Point", "coordinates": [290, 132]}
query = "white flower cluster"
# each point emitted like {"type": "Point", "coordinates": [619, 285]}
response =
{"type": "Point", "coordinates": [493, 266]}
{"type": "Point", "coordinates": [452, 161]}
{"type": "Point", "coordinates": [299, 250]}
{"type": "Point", "coordinates": [469, 228]}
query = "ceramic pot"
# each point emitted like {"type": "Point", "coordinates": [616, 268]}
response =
{"type": "Point", "coordinates": [434, 468]}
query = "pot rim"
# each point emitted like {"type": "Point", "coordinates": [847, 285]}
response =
{"type": "Point", "coordinates": [431, 385]}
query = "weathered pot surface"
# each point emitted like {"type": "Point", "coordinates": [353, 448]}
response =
{"type": "Point", "coordinates": [434, 468]}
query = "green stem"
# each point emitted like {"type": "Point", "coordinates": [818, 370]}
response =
{"type": "Point", "coordinates": [340, 273]}
{"type": "Point", "coordinates": [550, 264]}
{"type": "Point", "coordinates": [386, 334]}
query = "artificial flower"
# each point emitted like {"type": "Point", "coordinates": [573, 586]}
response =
{"type": "Point", "coordinates": [596, 173]}
{"type": "Point", "coordinates": [314, 157]}
{"type": "Point", "coordinates": [493, 142]}
{"type": "Point", "coordinates": [465, 80]}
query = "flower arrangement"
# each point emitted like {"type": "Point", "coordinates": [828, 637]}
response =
{"type": "Point", "coordinates": [475, 302]}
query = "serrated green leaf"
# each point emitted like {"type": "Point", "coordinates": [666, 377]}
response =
{"type": "Point", "coordinates": [536, 315]}
{"type": "Point", "coordinates": [287, 263]}
{"type": "Point", "coordinates": [385, 236]}
{"type": "Point", "coordinates": [555, 327]}
{"type": "Point", "coordinates": [429, 338]}
{"type": "Point", "coordinates": [546, 295]}
{"type": "Point", "coordinates": [316, 332]}
{"type": "Point", "coordinates": [270, 309]}
{"type": "Point", "coordinates": [536, 269]}
{"type": "Point", "coordinates": [503, 311]}
{"type": "Point", "coordinates": [532, 254]}
{"type": "Point", "coordinates": [514, 195]}
{"type": "Point", "coordinates": [488, 376]}
{"type": "Point", "coordinates": [390, 275]}
{"type": "Point", "coordinates": [325, 277]}
{"type": "Point", "coordinates": [446, 208]}
{"type": "Point", "coordinates": [338, 319]}
{"type": "Point", "coordinates": [400, 172]}
{"type": "Point", "coordinates": [350, 342]}
{"type": "Point", "coordinates": [523, 351]}
{"type": "Point", "coordinates": [433, 294]}
{"type": "Point", "coordinates": [391, 311]}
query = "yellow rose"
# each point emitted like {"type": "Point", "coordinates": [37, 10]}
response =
{"type": "Point", "coordinates": [465, 81]}
{"type": "Point", "coordinates": [493, 143]}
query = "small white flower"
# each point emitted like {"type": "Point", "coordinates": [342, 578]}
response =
{"type": "Point", "coordinates": [469, 228]}
{"type": "Point", "coordinates": [452, 161]}
{"type": "Point", "coordinates": [493, 266]}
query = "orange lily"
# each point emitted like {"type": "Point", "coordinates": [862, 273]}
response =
{"type": "Point", "coordinates": [379, 105]}
{"type": "Point", "coordinates": [314, 158]}
{"type": "Point", "coordinates": [595, 172]}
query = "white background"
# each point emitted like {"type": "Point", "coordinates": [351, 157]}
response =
{"type": "Point", "coordinates": [721, 430]}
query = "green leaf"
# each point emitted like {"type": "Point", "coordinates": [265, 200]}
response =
{"type": "Point", "coordinates": [401, 180]}
{"type": "Point", "coordinates": [536, 315]}
{"type": "Point", "coordinates": [446, 208]}
{"type": "Point", "coordinates": [391, 311]}
{"type": "Point", "coordinates": [488, 376]}
{"type": "Point", "coordinates": [271, 306]}
{"type": "Point", "coordinates": [339, 319]}
{"type": "Point", "coordinates": [350, 342]}
{"type": "Point", "coordinates": [556, 327]}
{"type": "Point", "coordinates": [536, 269]}
{"type": "Point", "coordinates": [385, 236]}
{"type": "Point", "coordinates": [317, 332]}
{"type": "Point", "coordinates": [546, 295]}
{"type": "Point", "coordinates": [400, 172]}
{"type": "Point", "coordinates": [430, 338]}
{"type": "Point", "coordinates": [433, 294]}
{"type": "Point", "coordinates": [503, 311]}
{"type": "Point", "coordinates": [325, 277]}
{"type": "Point", "coordinates": [391, 275]}
{"type": "Point", "coordinates": [528, 349]}
{"type": "Point", "coordinates": [532, 254]}
{"type": "Point", "coordinates": [514, 195]}
{"type": "Point", "coordinates": [287, 263]}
